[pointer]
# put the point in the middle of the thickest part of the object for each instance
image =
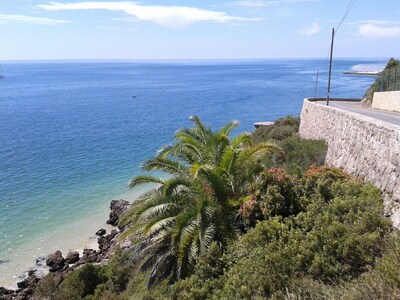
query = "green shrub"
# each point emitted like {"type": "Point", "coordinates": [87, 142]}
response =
{"type": "Point", "coordinates": [47, 287]}
{"type": "Point", "coordinates": [282, 132]}
{"type": "Point", "coordinates": [281, 129]}
{"type": "Point", "coordinates": [82, 283]}
{"type": "Point", "coordinates": [380, 282]}
{"type": "Point", "coordinates": [386, 81]}
{"type": "Point", "coordinates": [330, 242]}
{"type": "Point", "coordinates": [277, 193]}
{"type": "Point", "coordinates": [202, 283]}
{"type": "Point", "coordinates": [274, 193]}
{"type": "Point", "coordinates": [319, 180]}
{"type": "Point", "coordinates": [118, 271]}
{"type": "Point", "coordinates": [301, 153]}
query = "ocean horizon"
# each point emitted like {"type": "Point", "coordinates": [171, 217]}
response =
{"type": "Point", "coordinates": [73, 133]}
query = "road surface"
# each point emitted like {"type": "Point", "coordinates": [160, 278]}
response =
{"type": "Point", "coordinates": [355, 107]}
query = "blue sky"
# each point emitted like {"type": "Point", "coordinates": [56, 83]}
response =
{"type": "Point", "coordinates": [187, 29]}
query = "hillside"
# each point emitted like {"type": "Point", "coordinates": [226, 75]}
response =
{"type": "Point", "coordinates": [389, 80]}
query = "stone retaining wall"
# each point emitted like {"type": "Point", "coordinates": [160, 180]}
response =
{"type": "Point", "coordinates": [387, 101]}
{"type": "Point", "coordinates": [361, 145]}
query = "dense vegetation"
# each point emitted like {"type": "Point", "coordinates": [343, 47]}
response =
{"type": "Point", "coordinates": [388, 80]}
{"type": "Point", "coordinates": [254, 217]}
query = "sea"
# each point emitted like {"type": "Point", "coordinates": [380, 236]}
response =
{"type": "Point", "coordinates": [73, 133]}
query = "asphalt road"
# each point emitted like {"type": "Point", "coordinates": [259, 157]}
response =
{"type": "Point", "coordinates": [355, 107]}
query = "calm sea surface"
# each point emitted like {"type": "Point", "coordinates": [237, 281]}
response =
{"type": "Point", "coordinates": [73, 134]}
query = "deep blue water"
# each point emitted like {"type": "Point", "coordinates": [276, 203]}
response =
{"type": "Point", "coordinates": [72, 134]}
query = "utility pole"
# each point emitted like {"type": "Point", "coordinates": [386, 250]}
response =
{"type": "Point", "coordinates": [330, 68]}
{"type": "Point", "coordinates": [316, 85]}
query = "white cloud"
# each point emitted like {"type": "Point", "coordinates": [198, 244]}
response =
{"type": "Point", "coordinates": [168, 16]}
{"type": "Point", "coordinates": [260, 3]}
{"type": "Point", "coordinates": [29, 20]}
{"type": "Point", "coordinates": [375, 22]}
{"type": "Point", "coordinates": [375, 32]}
{"type": "Point", "coordinates": [315, 28]}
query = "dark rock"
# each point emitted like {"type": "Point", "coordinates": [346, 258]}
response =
{"type": "Point", "coordinates": [105, 242]}
{"type": "Point", "coordinates": [55, 268]}
{"type": "Point", "coordinates": [24, 294]}
{"type": "Point", "coordinates": [93, 257]}
{"type": "Point", "coordinates": [55, 258]}
{"type": "Point", "coordinates": [113, 233]}
{"type": "Point", "coordinates": [72, 257]}
{"type": "Point", "coordinates": [21, 284]}
{"type": "Point", "coordinates": [118, 207]}
{"type": "Point", "coordinates": [89, 256]}
{"type": "Point", "coordinates": [27, 292]}
{"type": "Point", "coordinates": [4, 291]}
{"type": "Point", "coordinates": [101, 232]}
{"type": "Point", "coordinates": [29, 282]}
{"type": "Point", "coordinates": [41, 261]}
{"type": "Point", "coordinates": [55, 261]}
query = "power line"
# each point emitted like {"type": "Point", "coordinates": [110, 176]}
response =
{"type": "Point", "coordinates": [334, 32]}
{"type": "Point", "coordinates": [346, 13]}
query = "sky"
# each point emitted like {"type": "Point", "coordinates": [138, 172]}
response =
{"type": "Point", "coordinates": [188, 29]}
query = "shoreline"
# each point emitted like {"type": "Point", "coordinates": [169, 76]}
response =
{"type": "Point", "coordinates": [75, 236]}
{"type": "Point", "coordinates": [60, 265]}
{"type": "Point", "coordinates": [16, 269]}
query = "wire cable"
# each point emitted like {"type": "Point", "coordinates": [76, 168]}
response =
{"type": "Point", "coordinates": [345, 15]}
{"type": "Point", "coordinates": [348, 9]}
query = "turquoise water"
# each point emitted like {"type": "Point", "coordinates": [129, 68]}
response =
{"type": "Point", "coordinates": [73, 134]}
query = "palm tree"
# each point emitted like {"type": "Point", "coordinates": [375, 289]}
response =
{"type": "Point", "coordinates": [197, 204]}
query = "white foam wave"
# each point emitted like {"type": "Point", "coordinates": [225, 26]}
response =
{"type": "Point", "coordinates": [368, 67]}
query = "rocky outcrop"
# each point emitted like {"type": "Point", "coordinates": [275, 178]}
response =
{"type": "Point", "coordinates": [101, 232]}
{"type": "Point", "coordinates": [118, 207]}
{"type": "Point", "coordinates": [55, 261]}
{"type": "Point", "coordinates": [60, 267]}
{"type": "Point", "coordinates": [25, 289]}
{"type": "Point", "coordinates": [105, 242]}
{"type": "Point", "coordinates": [72, 257]}
{"type": "Point", "coordinates": [363, 146]}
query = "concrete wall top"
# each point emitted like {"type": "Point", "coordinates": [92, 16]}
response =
{"type": "Point", "coordinates": [362, 118]}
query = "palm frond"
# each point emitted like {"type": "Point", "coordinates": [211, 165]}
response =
{"type": "Point", "coordinates": [162, 268]}
{"type": "Point", "coordinates": [188, 249]}
{"type": "Point", "coordinates": [228, 127]}
{"type": "Point", "coordinates": [165, 151]}
{"type": "Point", "coordinates": [145, 179]}
{"type": "Point", "coordinates": [200, 127]}
{"type": "Point", "coordinates": [158, 210]}
{"type": "Point", "coordinates": [197, 168]}
{"type": "Point", "coordinates": [176, 184]}
{"type": "Point", "coordinates": [166, 165]}
{"type": "Point", "coordinates": [144, 202]}
{"type": "Point", "coordinates": [155, 225]}
{"type": "Point", "coordinates": [256, 151]}
{"type": "Point", "coordinates": [243, 138]}
{"type": "Point", "coordinates": [228, 159]}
